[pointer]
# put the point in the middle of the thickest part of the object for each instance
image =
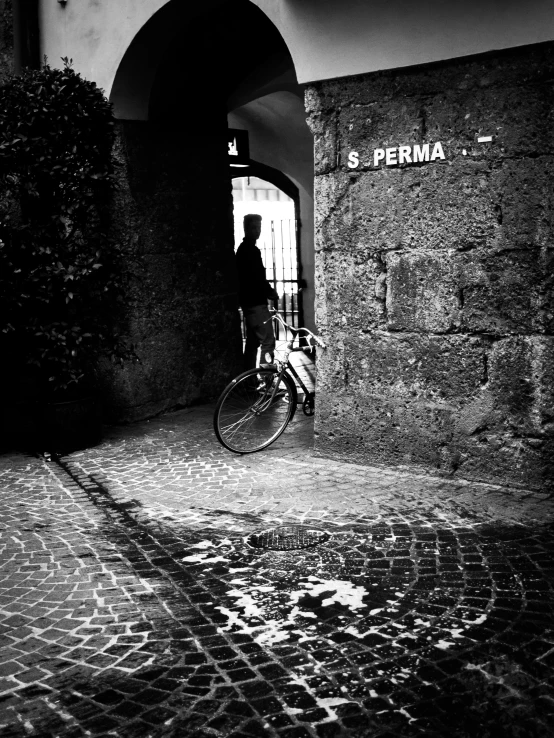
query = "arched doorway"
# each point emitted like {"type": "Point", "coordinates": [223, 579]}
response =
{"type": "Point", "coordinates": [278, 242]}
{"type": "Point", "coordinates": [201, 73]}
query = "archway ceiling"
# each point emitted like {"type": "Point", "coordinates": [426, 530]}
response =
{"type": "Point", "coordinates": [276, 75]}
{"type": "Point", "coordinates": [279, 134]}
{"type": "Point", "coordinates": [232, 47]}
{"type": "Point", "coordinates": [235, 54]}
{"type": "Point", "coordinates": [238, 54]}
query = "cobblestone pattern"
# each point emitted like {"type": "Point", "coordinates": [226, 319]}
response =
{"type": "Point", "coordinates": [128, 610]}
{"type": "Point", "coordinates": [175, 460]}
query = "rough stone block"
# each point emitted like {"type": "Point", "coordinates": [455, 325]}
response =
{"type": "Point", "coordinates": [419, 435]}
{"type": "Point", "coordinates": [498, 293]}
{"type": "Point", "coordinates": [329, 190]}
{"type": "Point", "coordinates": [6, 40]}
{"type": "Point", "coordinates": [519, 119]}
{"type": "Point", "coordinates": [521, 374]}
{"type": "Point", "coordinates": [380, 125]}
{"type": "Point", "coordinates": [511, 383]}
{"type": "Point", "coordinates": [476, 407]}
{"type": "Point", "coordinates": [477, 413]}
{"type": "Point", "coordinates": [422, 293]}
{"type": "Point", "coordinates": [330, 367]}
{"type": "Point", "coordinates": [505, 458]}
{"type": "Point", "coordinates": [522, 192]}
{"type": "Point", "coordinates": [447, 206]}
{"type": "Point", "coordinates": [505, 293]}
{"type": "Point", "coordinates": [436, 207]}
{"type": "Point", "coordinates": [411, 368]}
{"type": "Point", "coordinates": [543, 366]}
{"type": "Point", "coordinates": [324, 132]}
{"type": "Point", "coordinates": [349, 291]}
{"type": "Point", "coordinates": [382, 431]}
{"type": "Point", "coordinates": [493, 293]}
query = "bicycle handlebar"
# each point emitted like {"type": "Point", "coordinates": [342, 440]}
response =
{"type": "Point", "coordinates": [296, 331]}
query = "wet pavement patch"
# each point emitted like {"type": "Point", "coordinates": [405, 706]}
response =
{"type": "Point", "coordinates": [126, 620]}
{"type": "Point", "coordinates": [288, 537]}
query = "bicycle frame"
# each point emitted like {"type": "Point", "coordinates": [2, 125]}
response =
{"type": "Point", "coordinates": [251, 395]}
{"type": "Point", "coordinates": [285, 366]}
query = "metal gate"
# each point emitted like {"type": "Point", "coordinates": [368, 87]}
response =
{"type": "Point", "coordinates": [282, 267]}
{"type": "Point", "coordinates": [280, 255]}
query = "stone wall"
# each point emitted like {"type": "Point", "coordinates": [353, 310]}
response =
{"type": "Point", "coordinates": [435, 287]}
{"type": "Point", "coordinates": [6, 40]}
{"type": "Point", "coordinates": [172, 224]}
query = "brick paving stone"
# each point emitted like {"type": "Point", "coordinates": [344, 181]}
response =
{"type": "Point", "coordinates": [132, 605]}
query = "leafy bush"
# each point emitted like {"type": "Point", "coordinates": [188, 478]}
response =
{"type": "Point", "coordinates": [59, 283]}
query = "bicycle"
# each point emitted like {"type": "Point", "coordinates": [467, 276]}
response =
{"type": "Point", "coordinates": [256, 407]}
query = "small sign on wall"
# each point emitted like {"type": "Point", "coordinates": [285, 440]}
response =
{"type": "Point", "coordinates": [238, 147]}
{"type": "Point", "coordinates": [395, 155]}
{"type": "Point", "coordinates": [412, 154]}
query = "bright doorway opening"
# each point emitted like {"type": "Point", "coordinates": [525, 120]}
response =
{"type": "Point", "coordinates": [279, 247]}
{"type": "Point", "coordinates": [278, 241]}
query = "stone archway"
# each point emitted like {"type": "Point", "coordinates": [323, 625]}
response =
{"type": "Point", "coordinates": [173, 215]}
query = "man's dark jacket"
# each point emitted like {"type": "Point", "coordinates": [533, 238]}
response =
{"type": "Point", "coordinates": [254, 289]}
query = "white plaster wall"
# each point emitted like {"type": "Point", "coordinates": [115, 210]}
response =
{"type": "Point", "coordinates": [94, 33]}
{"type": "Point", "coordinates": [97, 33]}
{"type": "Point", "coordinates": [327, 38]}
{"type": "Point", "coordinates": [336, 38]}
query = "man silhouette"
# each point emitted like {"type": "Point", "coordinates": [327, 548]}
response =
{"type": "Point", "coordinates": [254, 292]}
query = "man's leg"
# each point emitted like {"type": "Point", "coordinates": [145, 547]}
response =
{"type": "Point", "coordinates": [252, 343]}
{"type": "Point", "coordinates": [259, 332]}
{"type": "Point", "coordinates": [266, 336]}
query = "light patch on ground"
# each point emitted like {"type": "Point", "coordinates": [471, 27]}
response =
{"type": "Point", "coordinates": [340, 591]}
{"type": "Point", "coordinates": [458, 632]}
{"type": "Point", "coordinates": [422, 623]}
{"type": "Point", "coordinates": [477, 621]}
{"type": "Point", "coordinates": [327, 703]}
{"type": "Point", "coordinates": [203, 544]}
{"type": "Point", "coordinates": [203, 558]}
{"type": "Point", "coordinates": [297, 612]}
{"type": "Point", "coordinates": [404, 712]}
{"type": "Point", "coordinates": [252, 604]}
{"type": "Point", "coordinates": [353, 630]}
{"type": "Point", "coordinates": [266, 634]}
{"type": "Point", "coordinates": [494, 679]}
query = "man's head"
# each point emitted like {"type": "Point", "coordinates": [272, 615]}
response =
{"type": "Point", "coordinates": [252, 226]}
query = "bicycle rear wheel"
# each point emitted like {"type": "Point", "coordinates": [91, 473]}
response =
{"type": "Point", "coordinates": [249, 416]}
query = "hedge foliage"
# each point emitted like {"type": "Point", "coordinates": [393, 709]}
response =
{"type": "Point", "coordinates": [59, 284]}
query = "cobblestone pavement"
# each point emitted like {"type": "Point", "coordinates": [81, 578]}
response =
{"type": "Point", "coordinates": [134, 603]}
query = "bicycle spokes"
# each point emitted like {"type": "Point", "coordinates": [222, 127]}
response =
{"type": "Point", "coordinates": [251, 416]}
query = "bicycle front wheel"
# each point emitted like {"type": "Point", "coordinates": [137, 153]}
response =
{"type": "Point", "coordinates": [254, 409]}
